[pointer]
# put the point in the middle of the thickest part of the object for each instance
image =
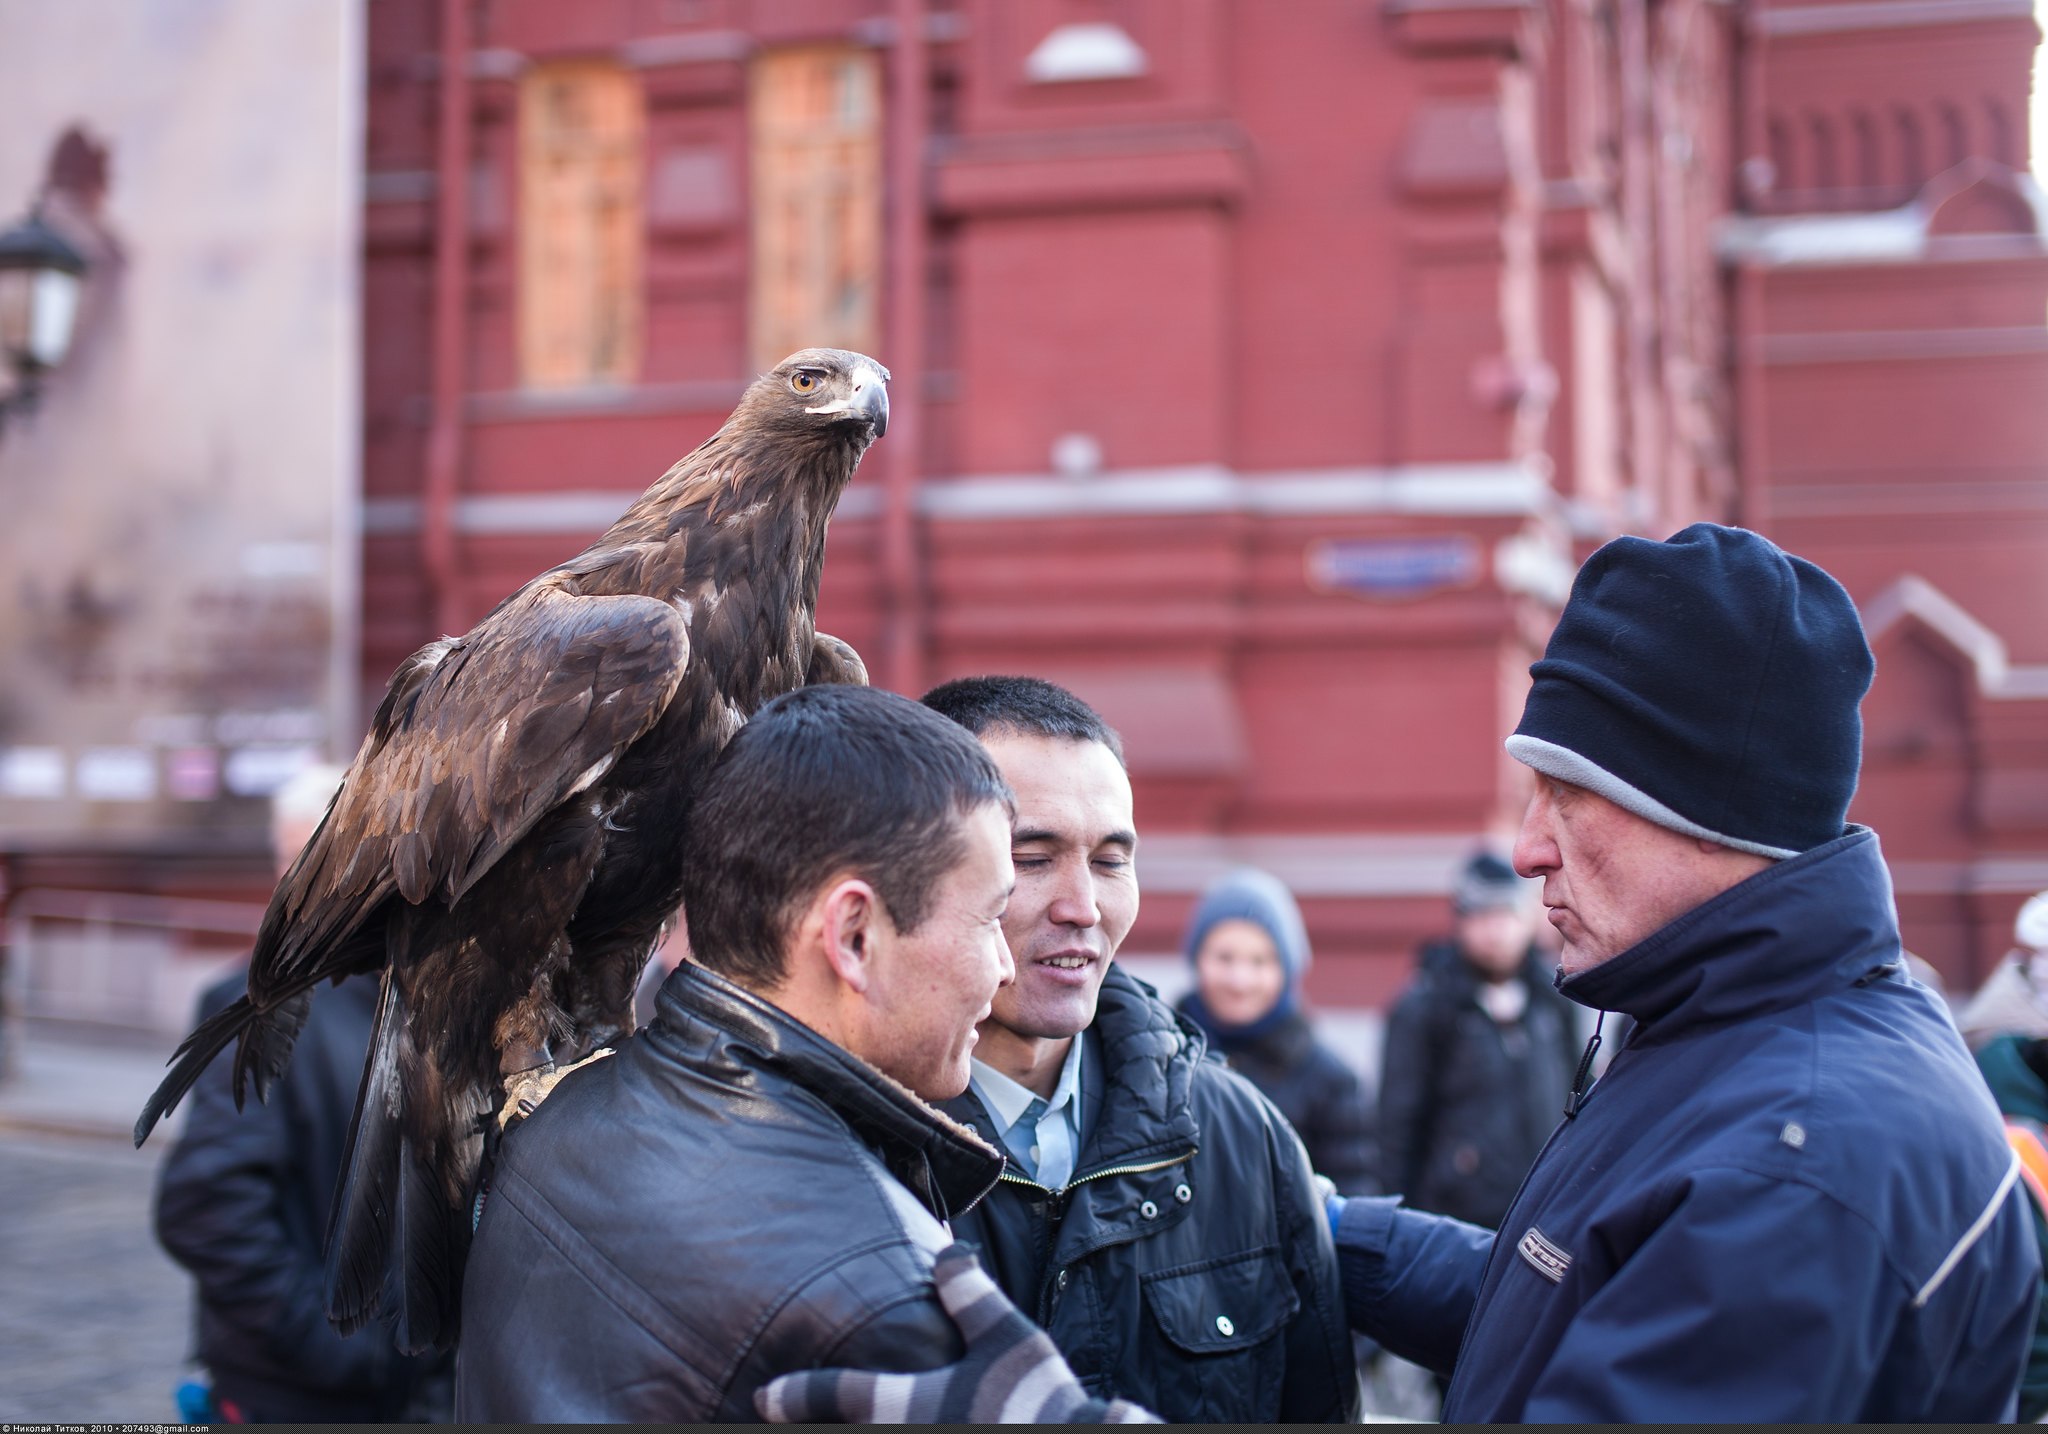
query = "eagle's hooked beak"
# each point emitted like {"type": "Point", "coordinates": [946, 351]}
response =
{"type": "Point", "coordinates": [868, 398]}
{"type": "Point", "coordinates": [871, 397]}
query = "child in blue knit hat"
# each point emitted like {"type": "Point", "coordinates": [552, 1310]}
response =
{"type": "Point", "coordinates": [1250, 951]}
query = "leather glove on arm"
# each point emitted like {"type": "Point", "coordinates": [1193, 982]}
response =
{"type": "Point", "coordinates": [1011, 1374]}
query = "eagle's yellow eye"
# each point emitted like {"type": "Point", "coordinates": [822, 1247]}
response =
{"type": "Point", "coordinates": [804, 382]}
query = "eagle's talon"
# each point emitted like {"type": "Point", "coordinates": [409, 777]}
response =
{"type": "Point", "coordinates": [525, 1090]}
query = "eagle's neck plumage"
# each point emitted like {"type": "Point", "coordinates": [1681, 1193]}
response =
{"type": "Point", "coordinates": [734, 536]}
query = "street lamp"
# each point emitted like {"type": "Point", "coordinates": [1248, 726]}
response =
{"type": "Point", "coordinates": [41, 274]}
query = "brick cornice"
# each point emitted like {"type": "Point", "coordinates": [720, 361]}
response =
{"type": "Point", "coordinates": [1510, 28]}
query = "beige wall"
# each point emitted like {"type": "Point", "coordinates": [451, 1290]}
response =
{"type": "Point", "coordinates": [178, 544]}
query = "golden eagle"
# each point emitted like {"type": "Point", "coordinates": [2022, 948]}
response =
{"type": "Point", "coordinates": [505, 849]}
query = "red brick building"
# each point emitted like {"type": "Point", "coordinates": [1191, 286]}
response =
{"type": "Point", "coordinates": [1261, 369]}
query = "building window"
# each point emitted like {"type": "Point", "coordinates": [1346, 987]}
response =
{"type": "Point", "coordinates": [580, 227]}
{"type": "Point", "coordinates": [815, 129]}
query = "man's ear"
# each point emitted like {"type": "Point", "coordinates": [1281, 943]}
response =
{"type": "Point", "coordinates": [851, 916]}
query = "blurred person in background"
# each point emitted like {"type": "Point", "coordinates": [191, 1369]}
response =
{"type": "Point", "coordinates": [2007, 1023]}
{"type": "Point", "coordinates": [242, 1204]}
{"type": "Point", "coordinates": [2015, 1066]}
{"type": "Point", "coordinates": [1479, 1055]}
{"type": "Point", "coordinates": [1249, 951]}
{"type": "Point", "coordinates": [2014, 998]}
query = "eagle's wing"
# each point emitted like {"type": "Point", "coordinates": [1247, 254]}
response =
{"type": "Point", "coordinates": [477, 739]}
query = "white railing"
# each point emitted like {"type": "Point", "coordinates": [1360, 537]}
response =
{"type": "Point", "coordinates": [118, 958]}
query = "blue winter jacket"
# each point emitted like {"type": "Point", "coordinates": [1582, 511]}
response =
{"type": "Point", "coordinates": [1788, 1199]}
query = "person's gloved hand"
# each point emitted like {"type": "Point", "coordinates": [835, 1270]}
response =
{"type": "Point", "coordinates": [1333, 1203]}
{"type": "Point", "coordinates": [1011, 1374]}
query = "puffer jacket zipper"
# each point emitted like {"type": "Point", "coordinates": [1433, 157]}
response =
{"type": "Point", "coordinates": [1048, 1282]}
{"type": "Point", "coordinates": [1007, 1178]}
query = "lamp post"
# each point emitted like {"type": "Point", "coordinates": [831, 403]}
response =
{"type": "Point", "coordinates": [41, 275]}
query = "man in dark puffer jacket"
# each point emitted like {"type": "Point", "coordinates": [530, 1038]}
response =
{"type": "Point", "coordinates": [1158, 1217]}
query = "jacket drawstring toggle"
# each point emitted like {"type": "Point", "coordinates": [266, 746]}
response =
{"type": "Point", "coordinates": [1582, 1082]}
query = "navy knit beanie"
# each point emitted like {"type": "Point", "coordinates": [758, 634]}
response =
{"type": "Point", "coordinates": [1249, 894]}
{"type": "Point", "coordinates": [1710, 684]}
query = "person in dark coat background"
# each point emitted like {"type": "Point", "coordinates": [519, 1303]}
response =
{"type": "Point", "coordinates": [2016, 1069]}
{"type": "Point", "coordinates": [242, 1203]}
{"type": "Point", "coordinates": [1250, 951]}
{"type": "Point", "coordinates": [1478, 1057]}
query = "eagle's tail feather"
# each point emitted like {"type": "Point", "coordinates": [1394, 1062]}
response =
{"type": "Point", "coordinates": [266, 1046]}
{"type": "Point", "coordinates": [434, 1248]}
{"type": "Point", "coordinates": [395, 1242]}
{"type": "Point", "coordinates": [193, 1055]}
{"type": "Point", "coordinates": [360, 1226]}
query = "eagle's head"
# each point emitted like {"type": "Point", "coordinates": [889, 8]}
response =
{"type": "Point", "coordinates": [826, 393]}
{"type": "Point", "coordinates": [793, 442]}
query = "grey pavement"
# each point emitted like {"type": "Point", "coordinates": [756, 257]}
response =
{"type": "Point", "coordinates": [68, 1079]}
{"type": "Point", "coordinates": [93, 1315]}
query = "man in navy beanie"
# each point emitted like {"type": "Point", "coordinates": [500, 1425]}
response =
{"type": "Point", "coordinates": [1788, 1198]}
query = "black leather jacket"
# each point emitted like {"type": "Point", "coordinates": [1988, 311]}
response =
{"type": "Point", "coordinates": [242, 1203]}
{"type": "Point", "coordinates": [729, 1198]}
{"type": "Point", "coordinates": [1188, 1265]}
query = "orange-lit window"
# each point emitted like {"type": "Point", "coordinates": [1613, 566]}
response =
{"type": "Point", "coordinates": [580, 225]}
{"type": "Point", "coordinates": [816, 129]}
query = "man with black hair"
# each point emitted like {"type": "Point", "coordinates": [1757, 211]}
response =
{"type": "Point", "coordinates": [1158, 1217]}
{"type": "Point", "coordinates": [755, 1184]}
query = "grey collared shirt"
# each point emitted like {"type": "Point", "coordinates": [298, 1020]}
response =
{"type": "Point", "coordinates": [1042, 1136]}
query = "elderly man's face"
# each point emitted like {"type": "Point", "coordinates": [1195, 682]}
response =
{"type": "Point", "coordinates": [1611, 878]}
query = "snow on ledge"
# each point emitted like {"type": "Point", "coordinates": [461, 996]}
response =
{"type": "Point", "coordinates": [1092, 50]}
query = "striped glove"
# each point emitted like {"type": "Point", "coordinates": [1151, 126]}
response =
{"type": "Point", "coordinates": [1011, 1374]}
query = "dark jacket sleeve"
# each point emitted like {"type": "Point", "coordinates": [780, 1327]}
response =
{"type": "Point", "coordinates": [1749, 1273]}
{"type": "Point", "coordinates": [1410, 1279]}
{"type": "Point", "coordinates": [1321, 1381]}
{"type": "Point", "coordinates": [1341, 1139]}
{"type": "Point", "coordinates": [220, 1212]}
{"type": "Point", "coordinates": [1406, 1099]}
{"type": "Point", "coordinates": [906, 1334]}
